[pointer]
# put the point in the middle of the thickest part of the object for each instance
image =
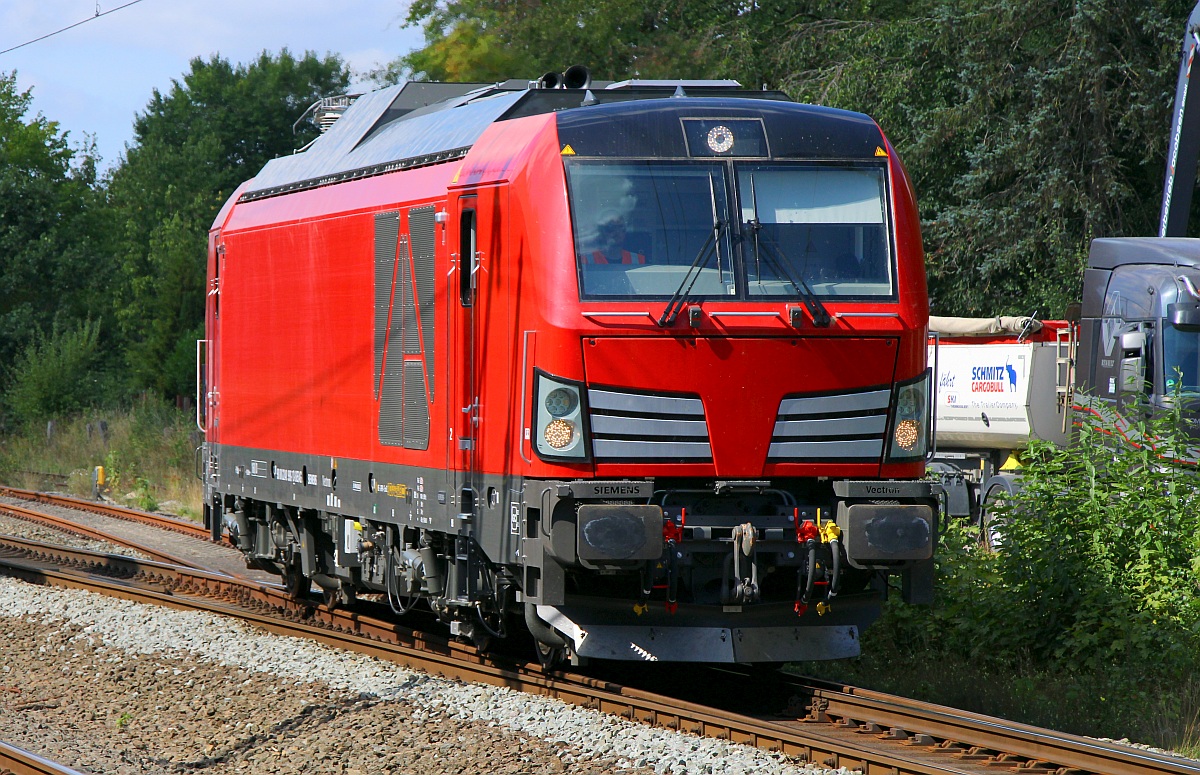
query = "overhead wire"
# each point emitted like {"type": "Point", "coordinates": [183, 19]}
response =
{"type": "Point", "coordinates": [98, 14]}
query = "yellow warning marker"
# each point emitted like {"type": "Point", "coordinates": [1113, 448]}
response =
{"type": "Point", "coordinates": [880, 152]}
{"type": "Point", "coordinates": [457, 172]}
{"type": "Point", "coordinates": [568, 150]}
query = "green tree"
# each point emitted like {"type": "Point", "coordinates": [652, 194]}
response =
{"type": "Point", "coordinates": [56, 373]}
{"type": "Point", "coordinates": [192, 147]}
{"type": "Point", "coordinates": [54, 233]}
{"type": "Point", "coordinates": [471, 40]}
{"type": "Point", "coordinates": [1029, 127]}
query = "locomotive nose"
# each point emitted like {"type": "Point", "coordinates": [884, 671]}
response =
{"type": "Point", "coordinates": [724, 405]}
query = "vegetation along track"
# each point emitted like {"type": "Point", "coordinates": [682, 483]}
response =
{"type": "Point", "coordinates": [827, 724]}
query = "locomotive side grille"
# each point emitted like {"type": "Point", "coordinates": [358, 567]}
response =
{"type": "Point", "coordinates": [387, 229]}
{"type": "Point", "coordinates": [416, 410]}
{"type": "Point", "coordinates": [401, 263]}
{"type": "Point", "coordinates": [391, 407]}
{"type": "Point", "coordinates": [421, 226]}
{"type": "Point", "coordinates": [405, 304]}
{"type": "Point", "coordinates": [843, 427]}
{"type": "Point", "coordinates": [634, 427]}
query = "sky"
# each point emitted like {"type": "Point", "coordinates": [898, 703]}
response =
{"type": "Point", "coordinates": [95, 77]}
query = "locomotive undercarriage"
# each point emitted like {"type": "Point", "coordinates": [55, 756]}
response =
{"type": "Point", "coordinates": [447, 574]}
{"type": "Point", "coordinates": [739, 571]}
{"type": "Point", "coordinates": [670, 569]}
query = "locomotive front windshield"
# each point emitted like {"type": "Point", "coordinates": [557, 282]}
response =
{"type": "Point", "coordinates": [744, 230]}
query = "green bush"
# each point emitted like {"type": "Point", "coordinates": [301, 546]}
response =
{"type": "Point", "coordinates": [1099, 562]}
{"type": "Point", "coordinates": [56, 374]}
{"type": "Point", "coordinates": [1087, 618]}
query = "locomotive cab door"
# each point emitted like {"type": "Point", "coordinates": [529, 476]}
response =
{"type": "Point", "coordinates": [461, 387]}
{"type": "Point", "coordinates": [475, 308]}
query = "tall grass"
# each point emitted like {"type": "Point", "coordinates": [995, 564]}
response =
{"type": "Point", "coordinates": [147, 451]}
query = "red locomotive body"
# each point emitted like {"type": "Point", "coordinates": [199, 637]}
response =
{"type": "Point", "coordinates": [642, 367]}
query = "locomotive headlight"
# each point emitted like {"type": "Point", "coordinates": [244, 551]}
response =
{"type": "Point", "coordinates": [907, 434]}
{"type": "Point", "coordinates": [561, 402]}
{"type": "Point", "coordinates": [559, 434]}
{"type": "Point", "coordinates": [910, 420]}
{"type": "Point", "coordinates": [559, 429]}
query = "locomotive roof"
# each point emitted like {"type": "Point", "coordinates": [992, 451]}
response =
{"type": "Point", "coordinates": [649, 130]}
{"type": "Point", "coordinates": [415, 124]}
{"type": "Point", "coordinates": [1171, 251]}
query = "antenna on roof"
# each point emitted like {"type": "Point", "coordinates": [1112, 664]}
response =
{"type": "Point", "coordinates": [325, 111]}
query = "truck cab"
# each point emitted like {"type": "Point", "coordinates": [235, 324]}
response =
{"type": "Point", "coordinates": [1140, 327]}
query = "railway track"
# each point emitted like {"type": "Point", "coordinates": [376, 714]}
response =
{"type": "Point", "coordinates": [166, 539]}
{"type": "Point", "coordinates": [117, 512]}
{"type": "Point", "coordinates": [17, 761]}
{"type": "Point", "coordinates": [819, 722]}
{"type": "Point", "coordinates": [67, 525]}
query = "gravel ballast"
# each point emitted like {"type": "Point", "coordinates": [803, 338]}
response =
{"type": "Point", "coordinates": [113, 686]}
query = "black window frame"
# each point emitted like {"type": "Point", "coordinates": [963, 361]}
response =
{"type": "Point", "coordinates": [734, 235]}
{"type": "Point", "coordinates": [467, 222]}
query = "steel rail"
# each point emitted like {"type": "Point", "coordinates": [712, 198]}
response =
{"type": "Point", "coordinates": [18, 761]}
{"type": "Point", "coordinates": [69, 526]}
{"type": "Point", "coordinates": [836, 726]}
{"type": "Point", "coordinates": [986, 739]}
{"type": "Point", "coordinates": [119, 512]}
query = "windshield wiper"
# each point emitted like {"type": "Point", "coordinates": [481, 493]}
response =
{"type": "Point", "coordinates": [682, 293]}
{"type": "Point", "coordinates": [778, 262]}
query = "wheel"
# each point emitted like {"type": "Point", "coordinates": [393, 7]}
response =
{"type": "Point", "coordinates": [991, 524]}
{"type": "Point", "coordinates": [336, 598]}
{"type": "Point", "coordinates": [998, 491]}
{"type": "Point", "coordinates": [550, 657]}
{"type": "Point", "coordinates": [295, 583]}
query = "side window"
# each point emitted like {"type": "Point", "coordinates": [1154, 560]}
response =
{"type": "Point", "coordinates": [1137, 364]}
{"type": "Point", "coordinates": [466, 263]}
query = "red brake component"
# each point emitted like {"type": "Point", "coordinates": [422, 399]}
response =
{"type": "Point", "coordinates": [807, 531]}
{"type": "Point", "coordinates": [672, 531]}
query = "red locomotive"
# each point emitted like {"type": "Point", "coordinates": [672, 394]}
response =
{"type": "Point", "coordinates": [642, 367]}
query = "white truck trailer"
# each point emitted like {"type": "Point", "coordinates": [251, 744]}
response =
{"type": "Point", "coordinates": [1000, 382]}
